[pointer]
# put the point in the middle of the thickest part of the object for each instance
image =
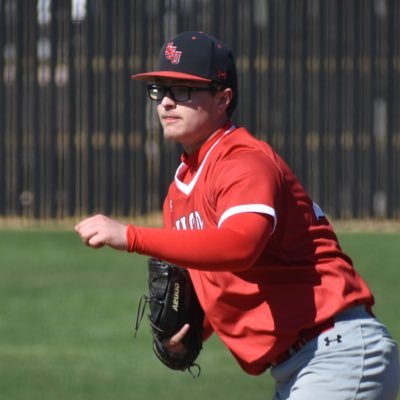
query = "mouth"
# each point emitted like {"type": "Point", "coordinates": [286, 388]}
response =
{"type": "Point", "coordinates": [169, 118]}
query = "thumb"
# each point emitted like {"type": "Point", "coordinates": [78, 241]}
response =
{"type": "Point", "coordinates": [178, 337]}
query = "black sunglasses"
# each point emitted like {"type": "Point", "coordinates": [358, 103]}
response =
{"type": "Point", "coordinates": [157, 91]}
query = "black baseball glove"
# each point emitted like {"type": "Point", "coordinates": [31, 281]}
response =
{"type": "Point", "coordinates": [173, 303]}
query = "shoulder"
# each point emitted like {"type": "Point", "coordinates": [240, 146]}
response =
{"type": "Point", "coordinates": [240, 143]}
{"type": "Point", "coordinates": [240, 155]}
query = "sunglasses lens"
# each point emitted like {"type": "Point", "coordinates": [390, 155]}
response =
{"type": "Point", "coordinates": [180, 93]}
{"type": "Point", "coordinates": [177, 93]}
{"type": "Point", "coordinates": [156, 92]}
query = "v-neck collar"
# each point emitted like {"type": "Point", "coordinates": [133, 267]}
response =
{"type": "Point", "coordinates": [191, 166]}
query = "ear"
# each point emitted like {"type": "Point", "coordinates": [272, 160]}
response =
{"type": "Point", "coordinates": [224, 99]}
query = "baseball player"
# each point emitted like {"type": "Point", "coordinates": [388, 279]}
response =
{"type": "Point", "coordinates": [266, 265]}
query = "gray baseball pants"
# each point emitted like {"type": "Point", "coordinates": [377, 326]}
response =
{"type": "Point", "coordinates": [355, 360]}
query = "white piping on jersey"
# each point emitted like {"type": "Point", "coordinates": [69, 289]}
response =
{"type": "Point", "coordinates": [246, 208]}
{"type": "Point", "coordinates": [318, 211]}
{"type": "Point", "coordinates": [188, 188]}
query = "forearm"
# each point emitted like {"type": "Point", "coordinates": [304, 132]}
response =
{"type": "Point", "coordinates": [233, 247]}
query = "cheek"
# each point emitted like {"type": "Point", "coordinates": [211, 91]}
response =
{"type": "Point", "coordinates": [159, 109]}
{"type": "Point", "coordinates": [192, 116]}
{"type": "Point", "coordinates": [205, 115]}
{"type": "Point", "coordinates": [196, 121]}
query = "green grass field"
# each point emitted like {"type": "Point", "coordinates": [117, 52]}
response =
{"type": "Point", "coordinates": [67, 317]}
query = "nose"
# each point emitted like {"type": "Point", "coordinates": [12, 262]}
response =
{"type": "Point", "coordinates": [167, 101]}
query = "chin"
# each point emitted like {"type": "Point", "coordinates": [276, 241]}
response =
{"type": "Point", "coordinates": [171, 136]}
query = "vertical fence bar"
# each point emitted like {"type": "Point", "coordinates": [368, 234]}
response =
{"type": "Point", "coordinates": [32, 127]}
{"type": "Point", "coordinates": [375, 92]}
{"type": "Point", "coordinates": [287, 103]}
{"type": "Point", "coordinates": [392, 110]}
{"type": "Point", "coordinates": [270, 75]}
{"type": "Point", "coordinates": [70, 156]}
{"type": "Point", "coordinates": [395, 184]}
{"type": "Point", "coordinates": [163, 177]}
{"type": "Point", "coordinates": [251, 70]}
{"type": "Point", "coordinates": [87, 174]}
{"type": "Point", "coordinates": [323, 140]}
{"type": "Point", "coordinates": [337, 203]}
{"type": "Point", "coordinates": [2, 113]}
{"type": "Point", "coordinates": [305, 75]}
{"type": "Point", "coordinates": [355, 186]}
{"type": "Point", "coordinates": [19, 76]}
{"type": "Point", "coordinates": [56, 194]}
{"type": "Point", "coordinates": [127, 108]}
{"type": "Point", "coordinates": [107, 107]}
{"type": "Point", "coordinates": [141, 169]}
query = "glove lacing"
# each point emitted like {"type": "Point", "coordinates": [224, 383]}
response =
{"type": "Point", "coordinates": [144, 300]}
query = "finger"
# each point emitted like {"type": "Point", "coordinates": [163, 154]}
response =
{"type": "Point", "coordinates": [86, 233]}
{"type": "Point", "coordinates": [90, 221]}
{"type": "Point", "coordinates": [96, 241]}
{"type": "Point", "coordinates": [83, 227]}
{"type": "Point", "coordinates": [178, 337]}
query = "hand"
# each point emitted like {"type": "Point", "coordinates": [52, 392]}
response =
{"type": "Point", "coordinates": [99, 231]}
{"type": "Point", "coordinates": [174, 344]}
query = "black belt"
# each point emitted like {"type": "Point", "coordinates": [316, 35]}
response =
{"type": "Point", "coordinates": [305, 336]}
{"type": "Point", "coordinates": [310, 334]}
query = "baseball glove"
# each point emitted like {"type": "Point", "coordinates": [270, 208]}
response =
{"type": "Point", "coordinates": [173, 303]}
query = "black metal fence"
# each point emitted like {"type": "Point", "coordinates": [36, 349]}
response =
{"type": "Point", "coordinates": [319, 79]}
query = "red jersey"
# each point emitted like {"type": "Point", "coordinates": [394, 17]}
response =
{"type": "Point", "coordinates": [302, 276]}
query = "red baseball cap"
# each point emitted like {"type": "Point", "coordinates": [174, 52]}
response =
{"type": "Point", "coordinates": [195, 56]}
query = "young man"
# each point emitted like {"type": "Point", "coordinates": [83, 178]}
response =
{"type": "Point", "coordinates": [266, 265]}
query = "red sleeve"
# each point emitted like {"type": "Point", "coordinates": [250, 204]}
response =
{"type": "Point", "coordinates": [235, 246]}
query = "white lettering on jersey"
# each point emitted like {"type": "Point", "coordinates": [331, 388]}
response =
{"type": "Point", "coordinates": [181, 223]}
{"type": "Point", "coordinates": [194, 221]}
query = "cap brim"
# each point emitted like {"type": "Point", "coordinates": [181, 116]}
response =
{"type": "Point", "coordinates": [148, 76]}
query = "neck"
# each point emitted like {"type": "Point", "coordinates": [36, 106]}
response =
{"type": "Point", "coordinates": [193, 147]}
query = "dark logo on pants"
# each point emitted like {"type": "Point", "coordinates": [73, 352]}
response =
{"type": "Point", "coordinates": [329, 341]}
